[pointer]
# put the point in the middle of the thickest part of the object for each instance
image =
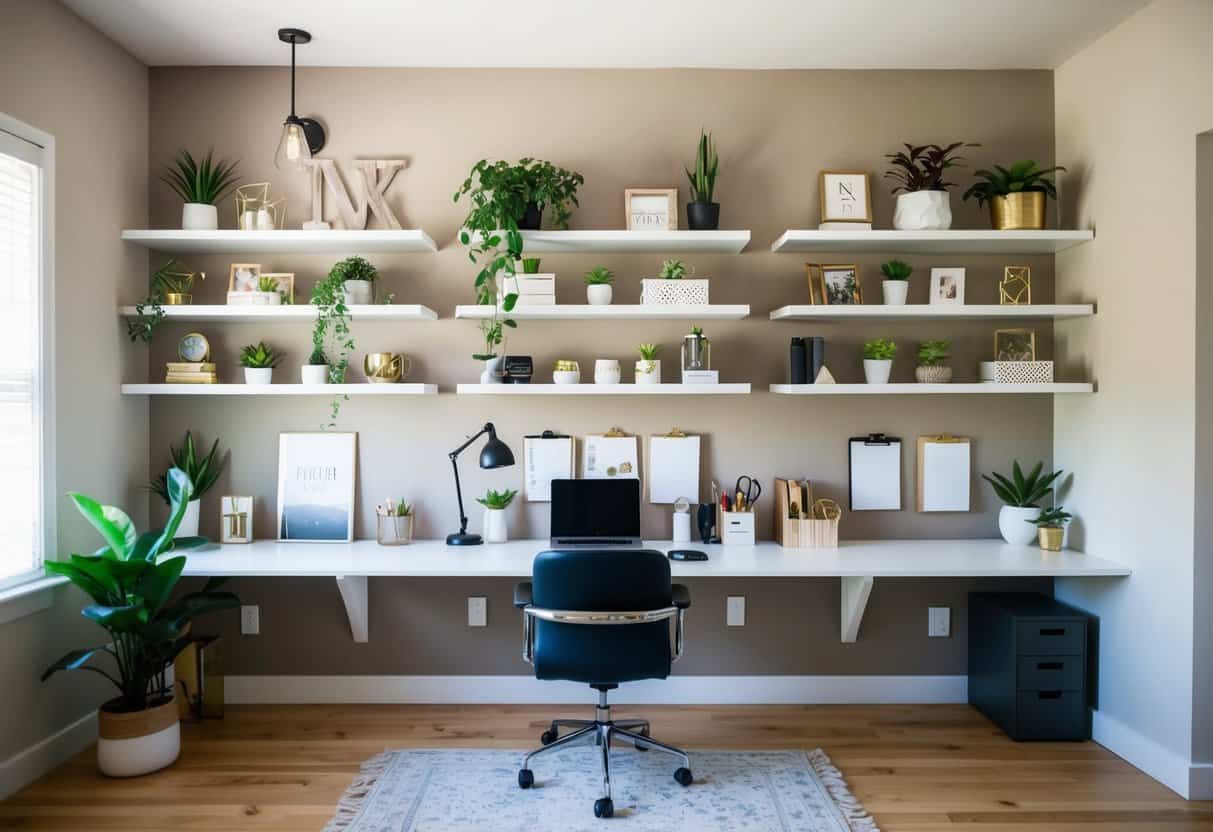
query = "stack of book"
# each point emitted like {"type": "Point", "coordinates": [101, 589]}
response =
{"type": "Point", "coordinates": [190, 372]}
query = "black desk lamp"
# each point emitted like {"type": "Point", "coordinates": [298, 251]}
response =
{"type": "Point", "coordinates": [494, 454]}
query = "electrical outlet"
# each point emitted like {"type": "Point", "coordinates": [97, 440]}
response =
{"type": "Point", "coordinates": [939, 622]}
{"type": "Point", "coordinates": [478, 611]}
{"type": "Point", "coordinates": [250, 620]}
{"type": "Point", "coordinates": [735, 611]}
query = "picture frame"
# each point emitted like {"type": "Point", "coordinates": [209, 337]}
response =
{"type": "Point", "coordinates": [840, 285]}
{"type": "Point", "coordinates": [1015, 288]}
{"type": "Point", "coordinates": [650, 209]}
{"type": "Point", "coordinates": [285, 282]}
{"type": "Point", "coordinates": [844, 196]}
{"type": "Point", "coordinates": [317, 472]}
{"type": "Point", "coordinates": [947, 286]}
{"type": "Point", "coordinates": [817, 289]}
{"type": "Point", "coordinates": [1015, 345]}
{"type": "Point", "coordinates": [243, 277]}
{"type": "Point", "coordinates": [235, 519]}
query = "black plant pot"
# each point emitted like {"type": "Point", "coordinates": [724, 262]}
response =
{"type": "Point", "coordinates": [532, 218]}
{"type": "Point", "coordinates": [703, 216]}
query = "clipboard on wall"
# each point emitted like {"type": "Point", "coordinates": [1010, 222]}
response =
{"type": "Point", "coordinates": [875, 465]}
{"type": "Point", "coordinates": [610, 455]}
{"type": "Point", "coordinates": [547, 456]}
{"type": "Point", "coordinates": [944, 473]}
{"type": "Point", "coordinates": [673, 467]}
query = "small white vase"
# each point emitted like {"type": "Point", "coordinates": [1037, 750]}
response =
{"type": "Point", "coordinates": [895, 292]}
{"type": "Point", "coordinates": [606, 371]}
{"type": "Point", "coordinates": [258, 375]}
{"type": "Point", "coordinates": [1015, 526]}
{"type": "Point", "coordinates": [358, 292]}
{"type": "Point", "coordinates": [495, 530]}
{"type": "Point", "coordinates": [877, 372]}
{"type": "Point", "coordinates": [598, 294]}
{"type": "Point", "coordinates": [493, 370]}
{"type": "Point", "coordinates": [198, 216]}
{"type": "Point", "coordinates": [923, 211]}
{"type": "Point", "coordinates": [648, 372]}
{"type": "Point", "coordinates": [189, 520]}
{"type": "Point", "coordinates": [314, 373]}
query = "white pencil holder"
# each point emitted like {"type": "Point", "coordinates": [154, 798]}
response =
{"type": "Point", "coordinates": [737, 528]}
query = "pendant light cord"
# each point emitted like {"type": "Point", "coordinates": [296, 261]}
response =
{"type": "Point", "coordinates": [292, 77]}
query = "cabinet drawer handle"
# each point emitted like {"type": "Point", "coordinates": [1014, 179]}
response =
{"type": "Point", "coordinates": [1048, 665]}
{"type": "Point", "coordinates": [1052, 631]}
{"type": "Point", "coordinates": [1048, 694]}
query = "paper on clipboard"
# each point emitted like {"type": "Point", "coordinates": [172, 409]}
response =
{"type": "Point", "coordinates": [546, 458]}
{"type": "Point", "coordinates": [673, 468]}
{"type": "Point", "coordinates": [944, 479]}
{"type": "Point", "coordinates": [875, 473]}
{"type": "Point", "coordinates": [609, 457]}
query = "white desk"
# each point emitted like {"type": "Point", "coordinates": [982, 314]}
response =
{"type": "Point", "coordinates": [858, 563]}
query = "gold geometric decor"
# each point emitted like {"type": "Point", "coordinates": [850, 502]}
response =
{"type": "Point", "coordinates": [1015, 288]}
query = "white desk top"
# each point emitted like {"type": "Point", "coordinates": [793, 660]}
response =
{"type": "Point", "coordinates": [873, 558]}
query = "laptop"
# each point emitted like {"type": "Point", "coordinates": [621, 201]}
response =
{"type": "Point", "coordinates": [595, 513]}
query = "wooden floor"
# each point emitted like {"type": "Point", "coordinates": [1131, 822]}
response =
{"type": "Point", "coordinates": [941, 767]}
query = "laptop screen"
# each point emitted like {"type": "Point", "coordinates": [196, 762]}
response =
{"type": "Point", "coordinates": [596, 508]}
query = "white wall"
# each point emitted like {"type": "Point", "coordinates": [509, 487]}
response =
{"type": "Point", "coordinates": [1202, 687]}
{"type": "Point", "coordinates": [1127, 111]}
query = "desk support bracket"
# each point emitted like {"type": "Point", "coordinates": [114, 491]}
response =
{"type": "Point", "coordinates": [855, 593]}
{"type": "Point", "coordinates": [353, 589]}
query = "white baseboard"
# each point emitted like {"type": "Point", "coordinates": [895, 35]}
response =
{"type": "Point", "coordinates": [1172, 770]}
{"type": "Point", "coordinates": [676, 690]}
{"type": "Point", "coordinates": [26, 766]}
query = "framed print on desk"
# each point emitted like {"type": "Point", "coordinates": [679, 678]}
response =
{"type": "Point", "coordinates": [316, 475]}
{"type": "Point", "coordinates": [651, 209]}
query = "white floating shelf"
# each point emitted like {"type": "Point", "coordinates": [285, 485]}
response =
{"type": "Point", "coordinates": [589, 389]}
{"type": "Point", "coordinates": [931, 242]}
{"type": "Point", "coordinates": [286, 241]}
{"type": "Point", "coordinates": [625, 242]}
{"type": "Point", "coordinates": [291, 312]}
{"type": "Point", "coordinates": [615, 312]}
{"type": "Point", "coordinates": [922, 310]}
{"type": "Point", "coordinates": [367, 389]}
{"type": "Point", "coordinates": [927, 389]}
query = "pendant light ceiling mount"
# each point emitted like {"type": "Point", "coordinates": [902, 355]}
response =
{"type": "Point", "coordinates": [301, 137]}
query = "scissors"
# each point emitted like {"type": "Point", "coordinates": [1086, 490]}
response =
{"type": "Point", "coordinates": [745, 498]}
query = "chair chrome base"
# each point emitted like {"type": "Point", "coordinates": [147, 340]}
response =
{"type": "Point", "coordinates": [600, 731]}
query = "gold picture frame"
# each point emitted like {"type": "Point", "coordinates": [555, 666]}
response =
{"type": "Point", "coordinates": [235, 519]}
{"type": "Point", "coordinates": [285, 285]}
{"type": "Point", "coordinates": [1015, 345]}
{"type": "Point", "coordinates": [817, 289]}
{"type": "Point", "coordinates": [248, 274]}
{"type": "Point", "coordinates": [844, 289]}
{"type": "Point", "coordinates": [651, 220]}
{"type": "Point", "coordinates": [1015, 288]}
{"type": "Point", "coordinates": [843, 185]}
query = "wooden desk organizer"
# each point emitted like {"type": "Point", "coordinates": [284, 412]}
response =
{"type": "Point", "coordinates": [803, 532]}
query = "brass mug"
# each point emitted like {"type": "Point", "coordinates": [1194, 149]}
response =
{"type": "Point", "coordinates": [386, 367]}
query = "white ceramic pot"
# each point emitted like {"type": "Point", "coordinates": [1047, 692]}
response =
{"type": "Point", "coordinates": [494, 370]}
{"type": "Point", "coordinates": [648, 372]}
{"type": "Point", "coordinates": [1014, 523]}
{"type": "Point", "coordinates": [923, 211]}
{"type": "Point", "coordinates": [566, 376]}
{"type": "Point", "coordinates": [599, 294]}
{"type": "Point", "coordinates": [495, 530]}
{"type": "Point", "coordinates": [895, 292]}
{"type": "Point", "coordinates": [258, 375]}
{"type": "Point", "coordinates": [606, 371]}
{"type": "Point", "coordinates": [267, 299]}
{"type": "Point", "coordinates": [359, 292]}
{"type": "Point", "coordinates": [314, 373]}
{"type": "Point", "coordinates": [189, 520]}
{"type": "Point", "coordinates": [198, 216]}
{"type": "Point", "coordinates": [877, 372]}
{"type": "Point", "coordinates": [129, 745]}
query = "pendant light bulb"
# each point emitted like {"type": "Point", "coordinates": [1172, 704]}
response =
{"type": "Point", "coordinates": [301, 137]}
{"type": "Point", "coordinates": [293, 149]}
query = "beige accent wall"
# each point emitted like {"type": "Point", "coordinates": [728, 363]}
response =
{"type": "Point", "coordinates": [60, 75]}
{"type": "Point", "coordinates": [1128, 112]}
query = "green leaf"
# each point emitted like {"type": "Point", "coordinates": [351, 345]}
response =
{"type": "Point", "coordinates": [157, 583]}
{"type": "Point", "coordinates": [112, 523]}
{"type": "Point", "coordinates": [121, 619]}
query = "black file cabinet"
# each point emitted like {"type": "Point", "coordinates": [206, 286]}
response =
{"type": "Point", "coordinates": [1028, 665]}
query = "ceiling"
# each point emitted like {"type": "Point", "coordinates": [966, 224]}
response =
{"type": "Point", "coordinates": [754, 34]}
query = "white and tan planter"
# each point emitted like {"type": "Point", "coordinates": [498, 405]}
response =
{"type": "Point", "coordinates": [933, 375]}
{"type": "Point", "coordinates": [648, 372]}
{"type": "Point", "coordinates": [129, 745]}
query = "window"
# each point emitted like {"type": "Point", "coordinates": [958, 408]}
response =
{"type": "Point", "coordinates": [24, 289]}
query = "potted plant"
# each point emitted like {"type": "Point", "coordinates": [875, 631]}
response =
{"type": "Point", "coordinates": [1020, 495]}
{"type": "Point", "coordinates": [1017, 197]}
{"type": "Point", "coordinates": [331, 334]}
{"type": "Point", "coordinates": [671, 287]}
{"type": "Point", "coordinates": [1051, 528]}
{"type": "Point", "coordinates": [394, 523]}
{"type": "Point", "coordinates": [648, 367]}
{"type": "Point", "coordinates": [922, 201]}
{"type": "Point", "coordinates": [357, 278]}
{"type": "Point", "coordinates": [530, 265]}
{"type": "Point", "coordinates": [896, 283]}
{"type": "Point", "coordinates": [878, 360]}
{"type": "Point", "coordinates": [170, 285]}
{"type": "Point", "coordinates": [931, 357]}
{"type": "Point", "coordinates": [200, 185]}
{"type": "Point", "coordinates": [316, 370]}
{"type": "Point", "coordinates": [259, 361]}
{"type": "Point", "coordinates": [598, 282]}
{"type": "Point", "coordinates": [131, 584]}
{"type": "Point", "coordinates": [493, 356]}
{"type": "Point", "coordinates": [702, 213]}
{"type": "Point", "coordinates": [267, 293]}
{"type": "Point", "coordinates": [202, 471]}
{"type": "Point", "coordinates": [495, 503]}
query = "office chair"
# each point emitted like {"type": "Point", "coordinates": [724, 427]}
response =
{"type": "Point", "coordinates": [600, 616]}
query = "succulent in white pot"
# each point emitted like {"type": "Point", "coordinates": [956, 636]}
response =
{"type": "Point", "coordinates": [495, 503]}
{"type": "Point", "coordinates": [316, 370]}
{"type": "Point", "coordinates": [923, 201]}
{"type": "Point", "coordinates": [878, 360]}
{"type": "Point", "coordinates": [931, 368]}
{"type": "Point", "coordinates": [357, 277]}
{"type": "Point", "coordinates": [648, 366]}
{"type": "Point", "coordinates": [200, 184]}
{"type": "Point", "coordinates": [896, 283]}
{"type": "Point", "coordinates": [259, 361]}
{"type": "Point", "coordinates": [598, 282]}
{"type": "Point", "coordinates": [203, 471]}
{"type": "Point", "coordinates": [1021, 495]}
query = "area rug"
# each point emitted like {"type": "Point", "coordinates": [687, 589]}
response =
{"type": "Point", "coordinates": [426, 790]}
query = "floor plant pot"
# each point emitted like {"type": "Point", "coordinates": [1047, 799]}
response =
{"type": "Point", "coordinates": [933, 375]}
{"type": "Point", "coordinates": [599, 294]}
{"type": "Point", "coordinates": [648, 372]}
{"type": "Point", "coordinates": [314, 373]}
{"type": "Point", "coordinates": [923, 211]}
{"type": "Point", "coordinates": [131, 744]}
{"type": "Point", "coordinates": [532, 218]}
{"type": "Point", "coordinates": [877, 371]}
{"type": "Point", "coordinates": [198, 216]}
{"type": "Point", "coordinates": [189, 520]}
{"type": "Point", "coordinates": [494, 370]}
{"type": "Point", "coordinates": [1015, 524]}
{"type": "Point", "coordinates": [1024, 211]}
{"type": "Point", "coordinates": [258, 375]}
{"type": "Point", "coordinates": [495, 530]}
{"type": "Point", "coordinates": [703, 216]}
{"type": "Point", "coordinates": [1050, 538]}
{"type": "Point", "coordinates": [895, 292]}
{"type": "Point", "coordinates": [358, 292]}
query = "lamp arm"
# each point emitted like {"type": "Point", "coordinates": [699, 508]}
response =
{"type": "Point", "coordinates": [488, 428]}
{"type": "Point", "coordinates": [454, 456]}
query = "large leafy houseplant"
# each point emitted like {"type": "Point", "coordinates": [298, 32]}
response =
{"type": "Point", "coordinates": [131, 586]}
{"type": "Point", "coordinates": [922, 167]}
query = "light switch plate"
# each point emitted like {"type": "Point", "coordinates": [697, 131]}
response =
{"type": "Point", "coordinates": [939, 622]}
{"type": "Point", "coordinates": [250, 620]}
{"type": "Point", "coordinates": [735, 611]}
{"type": "Point", "coordinates": [478, 611]}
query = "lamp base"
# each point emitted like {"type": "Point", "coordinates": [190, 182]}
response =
{"type": "Point", "coordinates": [464, 539]}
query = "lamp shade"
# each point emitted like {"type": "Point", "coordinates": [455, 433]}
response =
{"type": "Point", "coordinates": [495, 453]}
{"type": "Point", "coordinates": [293, 149]}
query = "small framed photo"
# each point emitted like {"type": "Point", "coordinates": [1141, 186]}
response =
{"type": "Point", "coordinates": [947, 286]}
{"type": "Point", "coordinates": [845, 196]}
{"type": "Point", "coordinates": [284, 284]}
{"type": "Point", "coordinates": [651, 209]}
{"type": "Point", "coordinates": [244, 277]}
{"type": "Point", "coordinates": [1015, 345]}
{"type": "Point", "coordinates": [1015, 288]}
{"type": "Point", "coordinates": [316, 475]}
{"type": "Point", "coordinates": [817, 287]}
{"type": "Point", "coordinates": [236, 520]}
{"type": "Point", "coordinates": [840, 285]}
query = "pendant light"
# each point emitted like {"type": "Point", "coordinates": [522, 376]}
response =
{"type": "Point", "coordinates": [301, 137]}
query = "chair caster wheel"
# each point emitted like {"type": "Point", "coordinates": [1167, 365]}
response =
{"type": "Point", "coordinates": [603, 807]}
{"type": "Point", "coordinates": [548, 737]}
{"type": "Point", "coordinates": [683, 776]}
{"type": "Point", "coordinates": [526, 778]}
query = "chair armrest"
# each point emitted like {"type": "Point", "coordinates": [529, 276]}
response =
{"type": "Point", "coordinates": [681, 597]}
{"type": "Point", "coordinates": [522, 594]}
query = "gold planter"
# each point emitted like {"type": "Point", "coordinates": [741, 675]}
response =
{"type": "Point", "coordinates": [1050, 538]}
{"type": "Point", "coordinates": [386, 367]}
{"type": "Point", "coordinates": [177, 299]}
{"type": "Point", "coordinates": [1024, 211]}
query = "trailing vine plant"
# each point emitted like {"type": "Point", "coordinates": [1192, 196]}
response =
{"type": "Point", "coordinates": [331, 336]}
{"type": "Point", "coordinates": [171, 278]}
